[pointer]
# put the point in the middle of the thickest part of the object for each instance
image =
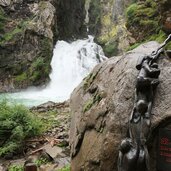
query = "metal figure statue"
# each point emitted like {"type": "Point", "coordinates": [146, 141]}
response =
{"type": "Point", "coordinates": [133, 153]}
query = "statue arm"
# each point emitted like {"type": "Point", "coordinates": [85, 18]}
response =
{"type": "Point", "coordinates": [132, 114]}
{"type": "Point", "coordinates": [147, 159]}
{"type": "Point", "coordinates": [120, 158]}
{"type": "Point", "coordinates": [146, 66]}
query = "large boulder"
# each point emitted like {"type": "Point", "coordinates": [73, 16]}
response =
{"type": "Point", "coordinates": [101, 106]}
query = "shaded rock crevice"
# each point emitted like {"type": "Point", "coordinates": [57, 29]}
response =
{"type": "Point", "coordinates": [70, 17]}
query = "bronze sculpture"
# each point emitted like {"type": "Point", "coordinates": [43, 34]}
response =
{"type": "Point", "coordinates": [133, 153]}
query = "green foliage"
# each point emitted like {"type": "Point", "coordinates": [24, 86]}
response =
{"type": "Point", "coordinates": [21, 77]}
{"type": "Point", "coordinates": [17, 124]}
{"type": "Point", "coordinates": [38, 64]}
{"type": "Point", "coordinates": [41, 66]}
{"type": "Point", "coordinates": [88, 105]}
{"type": "Point", "coordinates": [38, 67]}
{"type": "Point", "coordinates": [159, 37]}
{"type": "Point", "coordinates": [131, 10]}
{"type": "Point", "coordinates": [41, 161]}
{"type": "Point", "coordinates": [96, 99]}
{"type": "Point", "coordinates": [143, 15]}
{"type": "Point", "coordinates": [46, 48]}
{"type": "Point", "coordinates": [16, 168]}
{"type": "Point", "coordinates": [111, 49]}
{"type": "Point", "coordinates": [3, 20]}
{"type": "Point", "coordinates": [10, 35]}
{"type": "Point", "coordinates": [89, 80]}
{"type": "Point", "coordinates": [66, 168]}
{"type": "Point", "coordinates": [133, 46]}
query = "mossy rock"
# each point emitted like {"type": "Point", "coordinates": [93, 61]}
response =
{"type": "Point", "coordinates": [143, 15]}
{"type": "Point", "coordinates": [3, 20]}
{"type": "Point", "coordinates": [111, 48]}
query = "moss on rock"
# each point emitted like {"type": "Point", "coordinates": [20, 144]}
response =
{"type": "Point", "coordinates": [144, 21]}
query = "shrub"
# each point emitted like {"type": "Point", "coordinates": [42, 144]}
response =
{"type": "Point", "coordinates": [131, 11]}
{"type": "Point", "coordinates": [111, 49]}
{"type": "Point", "coordinates": [17, 124]}
{"type": "Point", "coordinates": [16, 168]}
{"type": "Point", "coordinates": [2, 20]}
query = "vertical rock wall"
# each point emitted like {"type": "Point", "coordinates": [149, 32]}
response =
{"type": "Point", "coordinates": [107, 23]}
{"type": "Point", "coordinates": [70, 17]}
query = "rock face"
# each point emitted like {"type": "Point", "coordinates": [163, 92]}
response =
{"type": "Point", "coordinates": [153, 16]}
{"type": "Point", "coordinates": [101, 106]}
{"type": "Point", "coordinates": [27, 32]}
{"type": "Point", "coordinates": [107, 23]}
{"type": "Point", "coordinates": [70, 17]}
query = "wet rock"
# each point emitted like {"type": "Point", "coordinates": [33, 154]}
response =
{"type": "Point", "coordinates": [96, 132]}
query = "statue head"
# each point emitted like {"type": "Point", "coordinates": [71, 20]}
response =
{"type": "Point", "coordinates": [125, 145]}
{"type": "Point", "coordinates": [141, 106]}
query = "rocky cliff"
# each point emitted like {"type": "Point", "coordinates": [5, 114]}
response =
{"type": "Point", "coordinates": [70, 17]}
{"type": "Point", "coordinates": [101, 106]}
{"type": "Point", "coordinates": [26, 42]}
{"type": "Point", "coordinates": [28, 32]}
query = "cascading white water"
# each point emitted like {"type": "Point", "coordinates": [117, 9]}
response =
{"type": "Point", "coordinates": [71, 62]}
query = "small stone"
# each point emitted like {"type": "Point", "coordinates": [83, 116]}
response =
{"type": "Point", "coordinates": [52, 151]}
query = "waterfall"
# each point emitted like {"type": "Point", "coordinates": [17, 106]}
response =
{"type": "Point", "coordinates": [71, 62]}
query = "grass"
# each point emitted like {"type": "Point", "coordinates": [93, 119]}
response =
{"type": "Point", "coordinates": [66, 168]}
{"type": "Point", "coordinates": [41, 161]}
{"type": "Point", "coordinates": [95, 99]}
{"type": "Point", "coordinates": [16, 168]}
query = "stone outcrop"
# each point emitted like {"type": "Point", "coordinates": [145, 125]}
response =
{"type": "Point", "coordinates": [27, 34]}
{"type": "Point", "coordinates": [101, 106]}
